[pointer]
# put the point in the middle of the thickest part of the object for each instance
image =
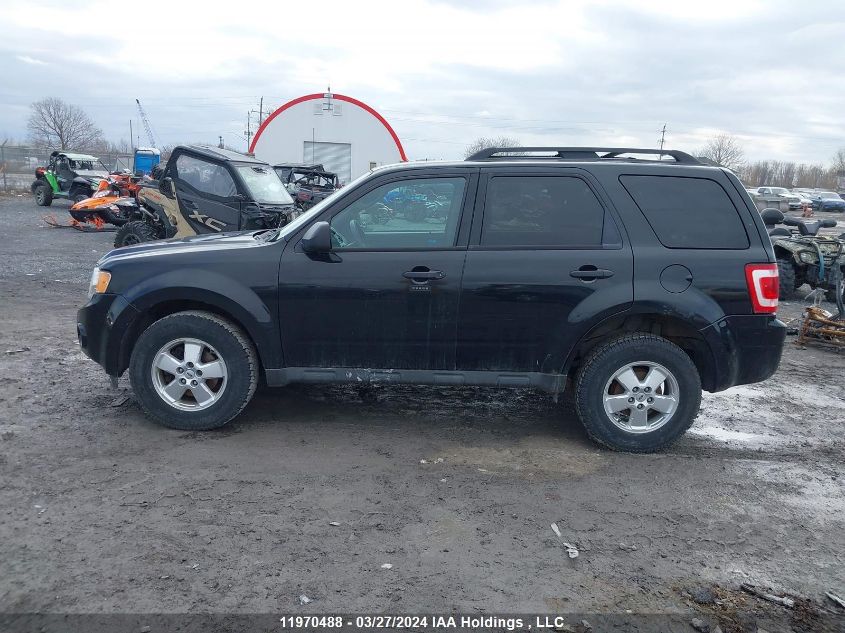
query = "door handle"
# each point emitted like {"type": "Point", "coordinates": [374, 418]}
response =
{"type": "Point", "coordinates": [423, 275]}
{"type": "Point", "coordinates": [589, 273]}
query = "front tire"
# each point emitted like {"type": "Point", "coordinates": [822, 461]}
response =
{"type": "Point", "coordinates": [787, 279]}
{"type": "Point", "coordinates": [637, 393]}
{"type": "Point", "coordinates": [136, 232]}
{"type": "Point", "coordinates": [43, 195]}
{"type": "Point", "coordinates": [193, 371]}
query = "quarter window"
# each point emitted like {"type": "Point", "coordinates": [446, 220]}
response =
{"type": "Point", "coordinates": [688, 212]}
{"type": "Point", "coordinates": [419, 213]}
{"type": "Point", "coordinates": [206, 177]}
{"type": "Point", "coordinates": [537, 211]}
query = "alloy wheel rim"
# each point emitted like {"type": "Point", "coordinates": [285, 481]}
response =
{"type": "Point", "coordinates": [189, 374]}
{"type": "Point", "coordinates": [641, 397]}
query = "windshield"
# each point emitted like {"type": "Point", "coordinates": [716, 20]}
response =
{"type": "Point", "coordinates": [829, 195]}
{"type": "Point", "coordinates": [86, 165]}
{"type": "Point", "coordinates": [263, 184]}
{"type": "Point", "coordinates": [780, 191]}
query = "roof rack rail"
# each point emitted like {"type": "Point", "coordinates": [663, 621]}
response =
{"type": "Point", "coordinates": [578, 153]}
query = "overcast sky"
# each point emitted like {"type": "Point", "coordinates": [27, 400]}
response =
{"type": "Point", "coordinates": [445, 73]}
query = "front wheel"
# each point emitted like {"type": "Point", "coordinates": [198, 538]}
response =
{"type": "Point", "coordinates": [787, 279]}
{"type": "Point", "coordinates": [136, 232]}
{"type": "Point", "coordinates": [637, 393]}
{"type": "Point", "coordinates": [193, 371]}
{"type": "Point", "coordinates": [43, 195]}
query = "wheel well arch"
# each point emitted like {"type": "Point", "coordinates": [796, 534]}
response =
{"type": "Point", "coordinates": [172, 306]}
{"type": "Point", "coordinates": [670, 327]}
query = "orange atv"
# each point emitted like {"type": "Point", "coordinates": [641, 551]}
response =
{"type": "Point", "coordinates": [113, 203]}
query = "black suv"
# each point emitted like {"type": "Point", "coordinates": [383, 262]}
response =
{"type": "Point", "coordinates": [639, 282]}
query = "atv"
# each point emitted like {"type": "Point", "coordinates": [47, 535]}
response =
{"type": "Point", "coordinates": [204, 189]}
{"type": "Point", "coordinates": [71, 176]}
{"type": "Point", "coordinates": [804, 256]}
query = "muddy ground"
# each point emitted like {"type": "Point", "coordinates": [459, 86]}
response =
{"type": "Point", "coordinates": [101, 511]}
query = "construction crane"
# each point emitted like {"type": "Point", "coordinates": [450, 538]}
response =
{"type": "Point", "coordinates": [146, 123]}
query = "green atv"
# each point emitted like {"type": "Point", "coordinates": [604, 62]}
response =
{"type": "Point", "coordinates": [71, 176]}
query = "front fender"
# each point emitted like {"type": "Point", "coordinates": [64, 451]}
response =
{"type": "Point", "coordinates": [219, 292]}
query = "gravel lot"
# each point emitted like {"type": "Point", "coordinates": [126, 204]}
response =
{"type": "Point", "coordinates": [313, 489]}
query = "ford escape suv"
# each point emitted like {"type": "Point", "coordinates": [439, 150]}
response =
{"type": "Point", "coordinates": [634, 277]}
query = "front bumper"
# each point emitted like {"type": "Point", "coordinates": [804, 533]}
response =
{"type": "Point", "coordinates": [745, 349]}
{"type": "Point", "coordinates": [102, 326]}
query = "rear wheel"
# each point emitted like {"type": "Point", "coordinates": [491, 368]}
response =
{"type": "Point", "coordinates": [134, 233]}
{"type": "Point", "coordinates": [787, 279]}
{"type": "Point", "coordinates": [637, 393]}
{"type": "Point", "coordinates": [193, 371]}
{"type": "Point", "coordinates": [79, 197]}
{"type": "Point", "coordinates": [43, 195]}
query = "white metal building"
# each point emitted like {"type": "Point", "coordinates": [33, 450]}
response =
{"type": "Point", "coordinates": [346, 135]}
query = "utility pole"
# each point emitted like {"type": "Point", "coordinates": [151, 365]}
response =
{"type": "Point", "coordinates": [131, 135]}
{"type": "Point", "coordinates": [662, 137]}
{"type": "Point", "coordinates": [261, 111]}
{"type": "Point", "coordinates": [248, 131]}
{"type": "Point", "coordinates": [220, 144]}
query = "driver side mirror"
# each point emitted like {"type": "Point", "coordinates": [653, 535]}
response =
{"type": "Point", "coordinates": [317, 239]}
{"type": "Point", "coordinates": [166, 186]}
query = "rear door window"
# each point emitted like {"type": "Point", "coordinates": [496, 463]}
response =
{"type": "Point", "coordinates": [541, 211]}
{"type": "Point", "coordinates": [688, 212]}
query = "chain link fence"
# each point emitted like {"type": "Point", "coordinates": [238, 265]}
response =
{"type": "Point", "coordinates": [18, 163]}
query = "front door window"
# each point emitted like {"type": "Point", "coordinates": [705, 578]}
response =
{"type": "Point", "coordinates": [421, 213]}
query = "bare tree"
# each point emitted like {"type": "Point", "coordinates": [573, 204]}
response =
{"type": "Point", "coordinates": [493, 141]}
{"type": "Point", "coordinates": [839, 160]}
{"type": "Point", "coordinates": [56, 124]}
{"type": "Point", "coordinates": [724, 150]}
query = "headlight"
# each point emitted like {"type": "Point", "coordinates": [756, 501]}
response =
{"type": "Point", "coordinates": [807, 258]}
{"type": "Point", "coordinates": [99, 282]}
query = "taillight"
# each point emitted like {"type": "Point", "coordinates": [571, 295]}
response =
{"type": "Point", "coordinates": [763, 287]}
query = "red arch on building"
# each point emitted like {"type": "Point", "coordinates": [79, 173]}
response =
{"type": "Point", "coordinates": [321, 95]}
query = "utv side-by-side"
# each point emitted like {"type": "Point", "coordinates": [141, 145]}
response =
{"type": "Point", "coordinates": [307, 184]}
{"type": "Point", "coordinates": [68, 175]}
{"type": "Point", "coordinates": [205, 189]}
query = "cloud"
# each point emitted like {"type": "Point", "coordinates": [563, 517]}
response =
{"type": "Point", "coordinates": [30, 60]}
{"type": "Point", "coordinates": [446, 72]}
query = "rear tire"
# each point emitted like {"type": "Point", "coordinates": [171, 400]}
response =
{"type": "Point", "coordinates": [133, 233]}
{"type": "Point", "coordinates": [787, 279]}
{"type": "Point", "coordinates": [653, 368]}
{"type": "Point", "coordinates": [43, 195]}
{"type": "Point", "coordinates": [183, 343]}
{"type": "Point", "coordinates": [79, 197]}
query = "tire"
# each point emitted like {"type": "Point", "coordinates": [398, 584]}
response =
{"type": "Point", "coordinates": [226, 350]}
{"type": "Point", "coordinates": [79, 197]}
{"type": "Point", "coordinates": [43, 195]}
{"type": "Point", "coordinates": [657, 429]}
{"type": "Point", "coordinates": [787, 279]}
{"type": "Point", "coordinates": [133, 233]}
